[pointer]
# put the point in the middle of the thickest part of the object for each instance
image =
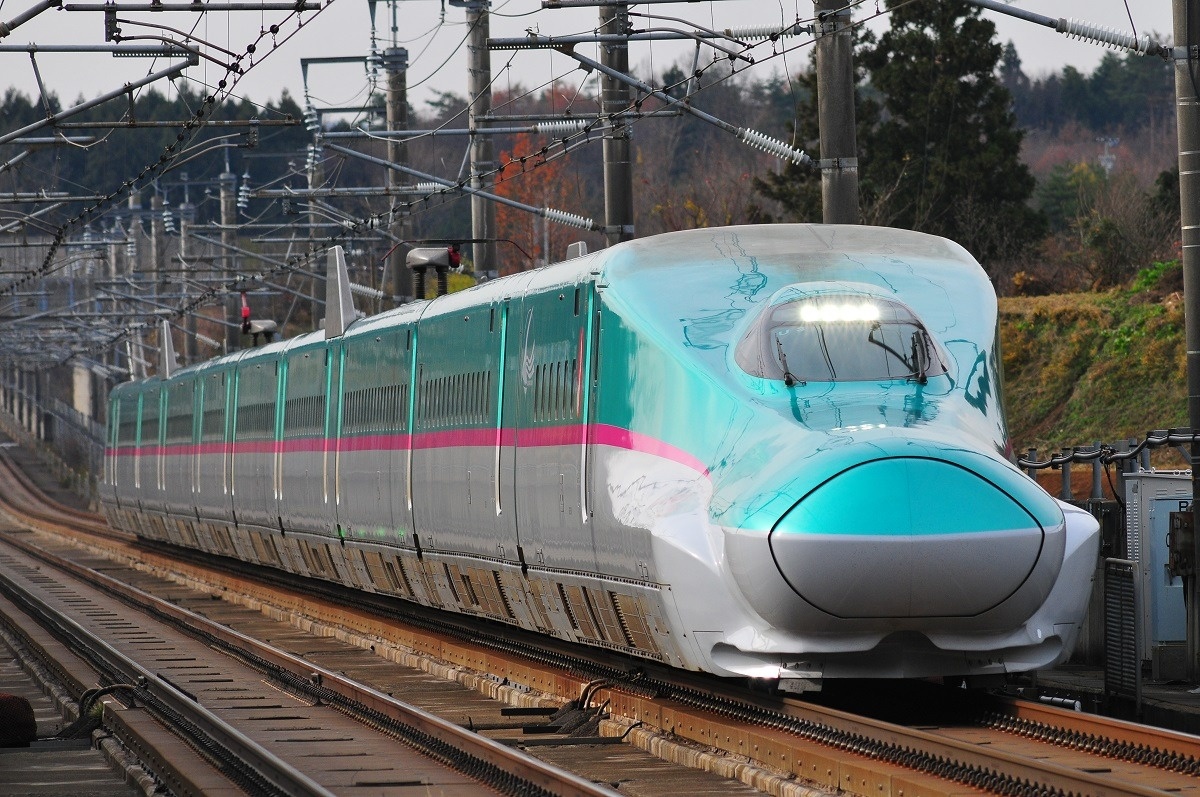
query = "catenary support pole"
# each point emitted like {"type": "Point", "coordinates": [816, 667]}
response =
{"type": "Point", "coordinates": [395, 65]}
{"type": "Point", "coordinates": [227, 181]}
{"type": "Point", "coordinates": [479, 91]}
{"type": "Point", "coordinates": [1187, 35]}
{"type": "Point", "coordinates": [614, 98]}
{"type": "Point", "coordinates": [185, 231]}
{"type": "Point", "coordinates": [835, 112]}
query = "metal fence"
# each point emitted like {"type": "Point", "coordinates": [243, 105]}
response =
{"type": "Point", "coordinates": [71, 443]}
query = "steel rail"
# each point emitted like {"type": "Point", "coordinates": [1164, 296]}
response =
{"type": "Point", "coordinates": [915, 749]}
{"type": "Point", "coordinates": [1117, 738]}
{"type": "Point", "coordinates": [160, 696]}
{"type": "Point", "coordinates": [332, 687]}
{"type": "Point", "coordinates": [1027, 775]}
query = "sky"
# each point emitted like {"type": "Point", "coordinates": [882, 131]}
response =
{"type": "Point", "coordinates": [433, 32]}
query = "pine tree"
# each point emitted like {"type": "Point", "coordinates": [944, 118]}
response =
{"type": "Point", "coordinates": [946, 157]}
{"type": "Point", "coordinates": [939, 149]}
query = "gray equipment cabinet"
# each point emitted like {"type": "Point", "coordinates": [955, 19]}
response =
{"type": "Point", "coordinates": [1150, 498]}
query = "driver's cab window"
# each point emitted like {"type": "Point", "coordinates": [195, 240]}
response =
{"type": "Point", "coordinates": [839, 338]}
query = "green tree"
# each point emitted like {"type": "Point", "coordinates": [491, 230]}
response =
{"type": "Point", "coordinates": [1068, 192]}
{"type": "Point", "coordinates": [938, 146]}
{"type": "Point", "coordinates": [945, 158]}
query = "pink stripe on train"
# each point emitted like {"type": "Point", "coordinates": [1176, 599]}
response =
{"type": "Point", "coordinates": [537, 437]}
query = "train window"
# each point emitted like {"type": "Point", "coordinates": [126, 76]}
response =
{"type": "Point", "coordinates": [212, 423]}
{"type": "Point", "coordinates": [179, 413]}
{"type": "Point", "coordinates": [150, 417]}
{"type": "Point", "coordinates": [839, 338]}
{"type": "Point", "coordinates": [256, 404]}
{"type": "Point", "coordinates": [127, 427]}
{"type": "Point", "coordinates": [304, 406]}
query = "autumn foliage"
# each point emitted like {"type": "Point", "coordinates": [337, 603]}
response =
{"type": "Point", "coordinates": [533, 175]}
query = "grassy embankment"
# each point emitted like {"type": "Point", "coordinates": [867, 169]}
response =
{"type": "Point", "coordinates": [1095, 366]}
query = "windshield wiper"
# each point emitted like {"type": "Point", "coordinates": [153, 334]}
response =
{"type": "Point", "coordinates": [789, 378]}
{"type": "Point", "coordinates": [920, 358]}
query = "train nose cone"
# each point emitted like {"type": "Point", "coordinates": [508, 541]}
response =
{"type": "Point", "coordinates": [908, 537]}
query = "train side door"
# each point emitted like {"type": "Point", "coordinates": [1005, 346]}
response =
{"type": "Point", "coordinates": [331, 455]}
{"type": "Point", "coordinates": [454, 457]}
{"type": "Point", "coordinates": [402, 348]}
{"type": "Point", "coordinates": [551, 441]}
{"type": "Point", "coordinates": [508, 411]}
{"type": "Point", "coordinates": [212, 453]}
{"type": "Point", "coordinates": [509, 397]}
{"type": "Point", "coordinates": [228, 455]}
{"type": "Point", "coordinates": [302, 485]}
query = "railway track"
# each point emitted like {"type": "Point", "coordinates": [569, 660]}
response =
{"type": "Point", "coordinates": [301, 730]}
{"type": "Point", "coordinates": [968, 746]}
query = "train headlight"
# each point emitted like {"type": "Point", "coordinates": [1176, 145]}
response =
{"type": "Point", "coordinates": [832, 312]}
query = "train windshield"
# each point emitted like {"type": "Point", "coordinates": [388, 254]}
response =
{"type": "Point", "coordinates": [839, 339]}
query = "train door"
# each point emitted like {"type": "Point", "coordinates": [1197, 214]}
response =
{"type": "Point", "coordinates": [109, 483]}
{"type": "Point", "coordinates": [454, 453]}
{"type": "Point", "coordinates": [253, 449]}
{"type": "Point", "coordinates": [551, 439]}
{"type": "Point", "coordinates": [150, 452]}
{"type": "Point", "coordinates": [333, 431]}
{"type": "Point", "coordinates": [125, 416]}
{"type": "Point", "coordinates": [211, 493]}
{"type": "Point", "coordinates": [368, 435]}
{"type": "Point", "coordinates": [623, 549]}
{"type": "Point", "coordinates": [303, 486]}
{"type": "Point", "coordinates": [402, 348]}
{"type": "Point", "coordinates": [179, 439]}
{"type": "Point", "coordinates": [136, 407]}
{"type": "Point", "coordinates": [507, 315]}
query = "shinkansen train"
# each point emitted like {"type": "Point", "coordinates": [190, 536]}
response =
{"type": "Point", "coordinates": [772, 452]}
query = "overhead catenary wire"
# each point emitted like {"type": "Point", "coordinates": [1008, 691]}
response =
{"type": "Point", "coordinates": [544, 155]}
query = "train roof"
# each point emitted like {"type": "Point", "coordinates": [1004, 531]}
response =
{"type": "Point", "coordinates": [736, 266]}
{"type": "Point", "coordinates": [710, 282]}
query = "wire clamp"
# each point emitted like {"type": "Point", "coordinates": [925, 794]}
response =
{"type": "Point", "coordinates": [838, 164]}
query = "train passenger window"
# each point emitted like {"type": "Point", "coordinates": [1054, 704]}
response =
{"type": "Point", "coordinates": [128, 426]}
{"type": "Point", "coordinates": [150, 417]}
{"type": "Point", "coordinates": [179, 413]}
{"type": "Point", "coordinates": [842, 338]}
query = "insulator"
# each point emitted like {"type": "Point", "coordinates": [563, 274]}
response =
{"type": "Point", "coordinates": [1110, 37]}
{"type": "Point", "coordinates": [312, 121]}
{"type": "Point", "coordinates": [766, 31]}
{"type": "Point", "coordinates": [363, 290]}
{"type": "Point", "coordinates": [558, 126]}
{"type": "Point", "coordinates": [429, 188]}
{"type": "Point", "coordinates": [569, 219]}
{"type": "Point", "coordinates": [774, 146]}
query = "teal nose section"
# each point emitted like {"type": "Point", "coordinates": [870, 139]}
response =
{"type": "Point", "coordinates": [910, 537]}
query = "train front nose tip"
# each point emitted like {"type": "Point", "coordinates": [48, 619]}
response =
{"type": "Point", "coordinates": [907, 537]}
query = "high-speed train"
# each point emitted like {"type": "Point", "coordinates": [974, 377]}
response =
{"type": "Point", "coordinates": [772, 452]}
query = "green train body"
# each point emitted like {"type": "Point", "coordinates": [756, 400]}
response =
{"type": "Point", "coordinates": [772, 451]}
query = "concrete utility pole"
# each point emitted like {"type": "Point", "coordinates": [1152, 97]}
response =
{"type": "Point", "coordinates": [614, 98]}
{"type": "Point", "coordinates": [1187, 35]}
{"type": "Point", "coordinates": [227, 181]}
{"type": "Point", "coordinates": [835, 112]}
{"type": "Point", "coordinates": [186, 213]}
{"type": "Point", "coordinates": [479, 95]}
{"type": "Point", "coordinates": [157, 240]}
{"type": "Point", "coordinates": [395, 65]}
